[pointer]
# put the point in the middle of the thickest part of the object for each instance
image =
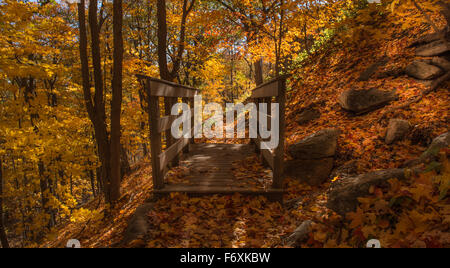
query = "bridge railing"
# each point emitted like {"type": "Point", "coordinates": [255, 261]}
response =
{"type": "Point", "coordinates": [272, 91]}
{"type": "Point", "coordinates": [160, 122]}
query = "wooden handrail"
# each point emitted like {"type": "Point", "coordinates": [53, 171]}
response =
{"type": "Point", "coordinates": [171, 92]}
{"type": "Point", "coordinates": [264, 94]}
{"type": "Point", "coordinates": [268, 89]}
{"type": "Point", "coordinates": [281, 77]}
{"type": "Point", "coordinates": [142, 76]}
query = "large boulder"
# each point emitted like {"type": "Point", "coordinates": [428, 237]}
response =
{"type": "Point", "coordinates": [313, 157]}
{"type": "Point", "coordinates": [423, 71]}
{"type": "Point", "coordinates": [343, 195]}
{"type": "Point", "coordinates": [397, 130]}
{"type": "Point", "coordinates": [312, 171]}
{"type": "Point", "coordinates": [435, 48]}
{"type": "Point", "coordinates": [319, 145]}
{"type": "Point", "coordinates": [307, 116]}
{"type": "Point", "coordinates": [363, 101]}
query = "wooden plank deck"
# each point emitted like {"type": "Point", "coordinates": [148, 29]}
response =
{"type": "Point", "coordinates": [210, 171]}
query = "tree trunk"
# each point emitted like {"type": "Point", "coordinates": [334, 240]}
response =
{"type": "Point", "coordinates": [3, 237]}
{"type": "Point", "coordinates": [95, 108]}
{"type": "Point", "coordinates": [116, 104]}
{"type": "Point", "coordinates": [100, 113]}
{"type": "Point", "coordinates": [92, 177]}
{"type": "Point", "coordinates": [44, 187]}
{"type": "Point", "coordinates": [278, 47]}
{"type": "Point", "coordinates": [161, 14]}
{"type": "Point", "coordinates": [84, 59]}
{"type": "Point", "coordinates": [162, 40]}
{"type": "Point", "coordinates": [259, 72]}
{"type": "Point", "coordinates": [125, 167]}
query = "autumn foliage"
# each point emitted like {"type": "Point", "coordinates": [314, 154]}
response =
{"type": "Point", "coordinates": [53, 187]}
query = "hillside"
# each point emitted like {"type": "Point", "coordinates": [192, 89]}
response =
{"type": "Point", "coordinates": [413, 212]}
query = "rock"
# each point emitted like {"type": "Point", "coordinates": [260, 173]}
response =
{"type": "Point", "coordinates": [343, 195]}
{"type": "Point", "coordinates": [441, 142]}
{"type": "Point", "coordinates": [423, 71]}
{"type": "Point", "coordinates": [431, 154]}
{"type": "Point", "coordinates": [397, 130]}
{"type": "Point", "coordinates": [312, 171]}
{"type": "Point", "coordinates": [319, 145]}
{"type": "Point", "coordinates": [307, 116]}
{"type": "Point", "coordinates": [300, 234]}
{"type": "Point", "coordinates": [138, 226]}
{"type": "Point", "coordinates": [441, 63]}
{"type": "Point", "coordinates": [422, 135]}
{"type": "Point", "coordinates": [313, 157]}
{"type": "Point", "coordinates": [363, 101]}
{"type": "Point", "coordinates": [435, 48]}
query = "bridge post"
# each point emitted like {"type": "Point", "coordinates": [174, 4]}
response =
{"type": "Point", "coordinates": [186, 149]}
{"type": "Point", "coordinates": [155, 137]}
{"type": "Point", "coordinates": [168, 103]}
{"type": "Point", "coordinates": [255, 141]}
{"type": "Point", "coordinates": [279, 151]}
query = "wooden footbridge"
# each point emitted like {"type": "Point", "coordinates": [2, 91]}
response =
{"type": "Point", "coordinates": [209, 165]}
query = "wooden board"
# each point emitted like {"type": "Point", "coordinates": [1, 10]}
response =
{"type": "Point", "coordinates": [210, 172]}
{"type": "Point", "coordinates": [167, 156]}
{"type": "Point", "coordinates": [162, 88]}
{"type": "Point", "coordinates": [269, 90]}
{"type": "Point", "coordinates": [165, 123]}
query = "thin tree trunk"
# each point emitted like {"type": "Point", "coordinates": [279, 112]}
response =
{"type": "Point", "coordinates": [305, 32]}
{"type": "Point", "coordinates": [3, 237]}
{"type": "Point", "coordinates": [280, 42]}
{"type": "Point", "coordinates": [92, 177]}
{"type": "Point", "coordinates": [45, 189]}
{"type": "Point", "coordinates": [161, 14]}
{"type": "Point", "coordinates": [84, 59]}
{"type": "Point", "coordinates": [95, 108]}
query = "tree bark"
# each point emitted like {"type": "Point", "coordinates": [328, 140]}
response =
{"type": "Point", "coordinates": [161, 14]}
{"type": "Point", "coordinates": [162, 40]}
{"type": "Point", "coordinates": [44, 187]}
{"type": "Point", "coordinates": [259, 72]}
{"type": "Point", "coordinates": [3, 237]}
{"type": "Point", "coordinates": [125, 167]}
{"type": "Point", "coordinates": [84, 59]}
{"type": "Point", "coordinates": [116, 104]}
{"type": "Point", "coordinates": [179, 57]}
